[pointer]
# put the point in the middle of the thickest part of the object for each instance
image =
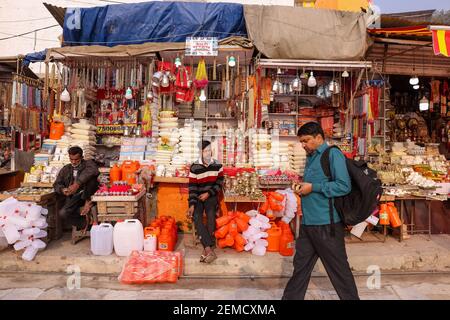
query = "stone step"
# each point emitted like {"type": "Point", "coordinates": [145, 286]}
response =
{"type": "Point", "coordinates": [415, 254]}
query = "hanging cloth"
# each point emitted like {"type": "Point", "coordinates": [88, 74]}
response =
{"type": "Point", "coordinates": [201, 77]}
{"type": "Point", "coordinates": [266, 84]}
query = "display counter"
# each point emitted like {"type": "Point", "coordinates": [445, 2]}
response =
{"type": "Point", "coordinates": [10, 179]}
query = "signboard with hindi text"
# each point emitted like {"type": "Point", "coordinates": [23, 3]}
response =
{"type": "Point", "coordinates": [202, 46]}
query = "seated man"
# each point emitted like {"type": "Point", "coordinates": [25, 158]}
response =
{"type": "Point", "coordinates": [77, 182]}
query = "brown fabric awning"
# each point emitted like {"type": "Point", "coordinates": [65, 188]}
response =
{"type": "Point", "coordinates": [137, 50]}
{"type": "Point", "coordinates": [281, 32]}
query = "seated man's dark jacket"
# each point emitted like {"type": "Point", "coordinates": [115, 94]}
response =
{"type": "Point", "coordinates": [86, 171]}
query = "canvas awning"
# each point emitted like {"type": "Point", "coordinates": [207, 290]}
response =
{"type": "Point", "coordinates": [281, 32]}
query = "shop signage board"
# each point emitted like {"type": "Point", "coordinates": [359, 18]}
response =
{"type": "Point", "coordinates": [202, 46]}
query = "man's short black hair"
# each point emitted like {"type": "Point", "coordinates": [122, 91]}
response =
{"type": "Point", "coordinates": [75, 150]}
{"type": "Point", "coordinates": [203, 144]}
{"type": "Point", "coordinates": [311, 129]}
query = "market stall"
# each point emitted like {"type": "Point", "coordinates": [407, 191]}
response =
{"type": "Point", "coordinates": [408, 138]}
{"type": "Point", "coordinates": [22, 119]}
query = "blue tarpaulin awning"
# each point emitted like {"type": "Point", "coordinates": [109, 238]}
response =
{"type": "Point", "coordinates": [34, 57]}
{"type": "Point", "coordinates": [152, 22]}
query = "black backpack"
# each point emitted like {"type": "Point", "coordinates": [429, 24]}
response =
{"type": "Point", "coordinates": [360, 203]}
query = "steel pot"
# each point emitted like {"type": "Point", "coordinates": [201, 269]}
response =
{"type": "Point", "coordinates": [165, 81]}
{"type": "Point", "coordinates": [156, 79]}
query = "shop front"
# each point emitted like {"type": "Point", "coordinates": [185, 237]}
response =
{"type": "Point", "coordinates": [141, 111]}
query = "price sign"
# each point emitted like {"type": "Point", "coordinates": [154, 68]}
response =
{"type": "Point", "coordinates": [202, 46]}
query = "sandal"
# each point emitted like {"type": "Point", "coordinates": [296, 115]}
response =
{"type": "Point", "coordinates": [210, 257]}
{"type": "Point", "coordinates": [202, 258]}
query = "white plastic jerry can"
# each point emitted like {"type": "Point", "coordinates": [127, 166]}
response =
{"type": "Point", "coordinates": [102, 239]}
{"type": "Point", "coordinates": [128, 236]}
{"type": "Point", "coordinates": [150, 243]}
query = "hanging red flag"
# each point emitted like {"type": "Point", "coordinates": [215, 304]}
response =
{"type": "Point", "coordinates": [441, 42]}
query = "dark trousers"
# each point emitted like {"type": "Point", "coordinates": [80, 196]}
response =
{"type": "Point", "coordinates": [71, 208]}
{"type": "Point", "coordinates": [316, 242]}
{"type": "Point", "coordinates": [206, 232]}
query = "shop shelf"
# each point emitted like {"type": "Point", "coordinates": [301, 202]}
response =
{"type": "Point", "coordinates": [282, 114]}
{"type": "Point", "coordinates": [107, 145]}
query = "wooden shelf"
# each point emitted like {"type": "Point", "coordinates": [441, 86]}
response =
{"type": "Point", "coordinates": [119, 198]}
{"type": "Point", "coordinates": [28, 197]}
{"type": "Point", "coordinates": [208, 118]}
{"type": "Point", "coordinates": [107, 145]}
{"type": "Point", "coordinates": [285, 95]}
{"type": "Point", "coordinates": [283, 114]}
{"type": "Point", "coordinates": [37, 184]}
{"type": "Point", "coordinates": [220, 118]}
{"type": "Point", "coordinates": [243, 199]}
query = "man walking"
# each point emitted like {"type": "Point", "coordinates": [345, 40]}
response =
{"type": "Point", "coordinates": [322, 232]}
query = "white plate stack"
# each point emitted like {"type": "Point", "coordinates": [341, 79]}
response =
{"type": "Point", "coordinates": [168, 139]}
{"type": "Point", "coordinates": [261, 149]}
{"type": "Point", "coordinates": [189, 150]}
{"type": "Point", "coordinates": [280, 152]}
{"type": "Point", "coordinates": [297, 158]}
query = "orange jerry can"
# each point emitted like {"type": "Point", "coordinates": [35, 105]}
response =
{"type": "Point", "coordinates": [115, 174]}
{"type": "Point", "coordinates": [394, 219]}
{"type": "Point", "coordinates": [56, 130]}
{"type": "Point", "coordinates": [287, 242]}
{"type": "Point", "coordinates": [165, 241]}
{"type": "Point", "coordinates": [274, 238]}
{"type": "Point", "coordinates": [384, 216]}
{"type": "Point", "coordinates": [129, 169]}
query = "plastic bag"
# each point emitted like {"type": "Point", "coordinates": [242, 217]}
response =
{"type": "Point", "coordinates": [151, 267]}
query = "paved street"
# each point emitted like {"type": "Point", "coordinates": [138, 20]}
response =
{"type": "Point", "coordinates": [19, 286]}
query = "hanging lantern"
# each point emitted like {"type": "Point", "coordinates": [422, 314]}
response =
{"type": "Point", "coordinates": [416, 87]}
{"type": "Point", "coordinates": [232, 61]}
{"type": "Point", "coordinates": [276, 86]}
{"type": "Point", "coordinates": [129, 94]}
{"type": "Point", "coordinates": [177, 62]}
{"type": "Point", "coordinates": [304, 74]}
{"type": "Point", "coordinates": [202, 95]}
{"type": "Point", "coordinates": [414, 81]}
{"type": "Point", "coordinates": [345, 74]}
{"type": "Point", "coordinates": [297, 84]}
{"type": "Point", "coordinates": [65, 95]}
{"type": "Point", "coordinates": [312, 82]}
{"type": "Point", "coordinates": [424, 104]}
